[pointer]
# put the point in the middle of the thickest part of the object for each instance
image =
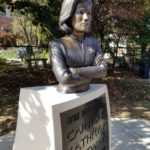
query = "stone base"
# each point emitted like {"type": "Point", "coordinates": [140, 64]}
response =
{"type": "Point", "coordinates": [42, 113]}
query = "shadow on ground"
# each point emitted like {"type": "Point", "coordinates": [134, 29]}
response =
{"type": "Point", "coordinates": [130, 134]}
{"type": "Point", "coordinates": [129, 98]}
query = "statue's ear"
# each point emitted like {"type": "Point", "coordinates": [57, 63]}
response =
{"type": "Point", "coordinates": [66, 26]}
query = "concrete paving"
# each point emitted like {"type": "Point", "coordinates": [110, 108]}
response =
{"type": "Point", "coordinates": [130, 134]}
{"type": "Point", "coordinates": [6, 141]}
{"type": "Point", "coordinates": [127, 134]}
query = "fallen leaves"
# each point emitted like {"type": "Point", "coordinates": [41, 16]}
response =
{"type": "Point", "coordinates": [129, 97]}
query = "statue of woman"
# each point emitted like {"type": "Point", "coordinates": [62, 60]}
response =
{"type": "Point", "coordinates": [76, 57]}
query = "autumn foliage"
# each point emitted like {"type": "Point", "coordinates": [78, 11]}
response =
{"type": "Point", "coordinates": [116, 16]}
{"type": "Point", "coordinates": [6, 36]}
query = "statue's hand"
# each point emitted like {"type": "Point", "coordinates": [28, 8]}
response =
{"type": "Point", "coordinates": [74, 70]}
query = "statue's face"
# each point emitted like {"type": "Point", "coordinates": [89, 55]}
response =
{"type": "Point", "coordinates": [81, 20]}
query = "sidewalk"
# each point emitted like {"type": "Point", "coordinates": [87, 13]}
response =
{"type": "Point", "coordinates": [127, 134]}
{"type": "Point", "coordinates": [130, 134]}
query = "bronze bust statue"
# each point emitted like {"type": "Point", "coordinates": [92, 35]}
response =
{"type": "Point", "coordinates": [76, 57]}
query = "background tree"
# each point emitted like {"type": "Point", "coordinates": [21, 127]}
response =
{"type": "Point", "coordinates": [123, 19]}
{"type": "Point", "coordinates": [26, 32]}
{"type": "Point", "coordinates": [48, 19]}
{"type": "Point", "coordinates": [114, 18]}
{"type": "Point", "coordinates": [142, 33]}
{"type": "Point", "coordinates": [44, 14]}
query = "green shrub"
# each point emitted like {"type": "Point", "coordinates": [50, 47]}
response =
{"type": "Point", "coordinates": [8, 54]}
{"type": "Point", "coordinates": [2, 61]}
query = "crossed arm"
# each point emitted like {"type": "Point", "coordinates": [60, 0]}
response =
{"type": "Point", "coordinates": [76, 75]}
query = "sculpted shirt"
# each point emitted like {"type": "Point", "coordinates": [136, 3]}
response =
{"type": "Point", "coordinates": [75, 62]}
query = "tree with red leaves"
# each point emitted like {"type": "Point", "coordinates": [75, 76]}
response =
{"type": "Point", "coordinates": [113, 17]}
{"type": "Point", "coordinates": [118, 18]}
{"type": "Point", "coordinates": [6, 36]}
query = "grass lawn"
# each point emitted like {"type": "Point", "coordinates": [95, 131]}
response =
{"type": "Point", "coordinates": [129, 95]}
{"type": "Point", "coordinates": [8, 54]}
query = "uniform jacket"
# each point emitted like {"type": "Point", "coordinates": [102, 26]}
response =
{"type": "Point", "coordinates": [84, 56]}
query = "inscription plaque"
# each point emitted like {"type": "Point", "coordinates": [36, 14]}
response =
{"type": "Point", "coordinates": [86, 127]}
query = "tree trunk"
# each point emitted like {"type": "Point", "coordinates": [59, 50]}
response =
{"type": "Point", "coordinates": [102, 37]}
{"type": "Point", "coordinates": [143, 49]}
{"type": "Point", "coordinates": [115, 55]}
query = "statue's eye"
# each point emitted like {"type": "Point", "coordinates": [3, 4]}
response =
{"type": "Point", "coordinates": [83, 11]}
{"type": "Point", "coordinates": [80, 12]}
{"type": "Point", "coordinates": [89, 12]}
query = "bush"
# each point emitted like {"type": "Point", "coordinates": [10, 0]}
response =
{"type": "Point", "coordinates": [8, 54]}
{"type": "Point", "coordinates": [2, 61]}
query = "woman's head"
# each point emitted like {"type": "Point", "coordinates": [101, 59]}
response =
{"type": "Point", "coordinates": [75, 14]}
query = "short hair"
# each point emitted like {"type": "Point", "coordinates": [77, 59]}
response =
{"type": "Point", "coordinates": [67, 10]}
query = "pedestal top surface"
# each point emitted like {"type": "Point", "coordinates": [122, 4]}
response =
{"type": "Point", "coordinates": [50, 93]}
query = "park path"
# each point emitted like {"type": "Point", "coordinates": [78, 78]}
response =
{"type": "Point", "coordinates": [127, 134]}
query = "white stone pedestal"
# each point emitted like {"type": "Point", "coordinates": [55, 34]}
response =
{"type": "Point", "coordinates": [39, 124]}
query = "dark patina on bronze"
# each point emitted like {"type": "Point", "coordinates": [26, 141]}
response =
{"type": "Point", "coordinates": [76, 57]}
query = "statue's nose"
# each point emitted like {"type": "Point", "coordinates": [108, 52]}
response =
{"type": "Point", "coordinates": [85, 16]}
